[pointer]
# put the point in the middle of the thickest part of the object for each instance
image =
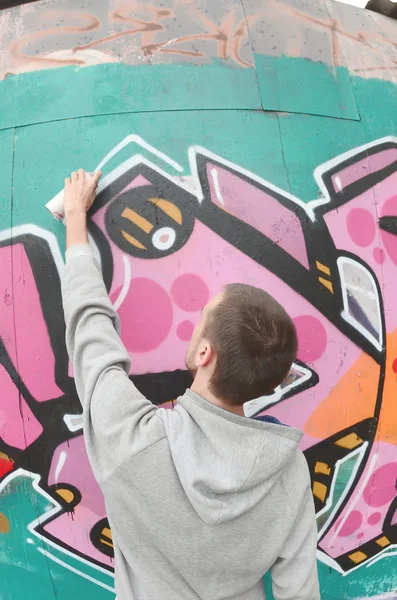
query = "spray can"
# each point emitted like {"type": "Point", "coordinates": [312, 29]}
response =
{"type": "Point", "coordinates": [56, 204]}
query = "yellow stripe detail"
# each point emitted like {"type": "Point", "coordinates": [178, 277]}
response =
{"type": "Point", "coordinates": [383, 542]}
{"type": "Point", "coordinates": [106, 531]}
{"type": "Point", "coordinates": [67, 495]}
{"type": "Point", "coordinates": [349, 442]}
{"type": "Point", "coordinates": [140, 221]}
{"type": "Point", "coordinates": [323, 468]}
{"type": "Point", "coordinates": [133, 240]}
{"type": "Point", "coordinates": [320, 490]}
{"type": "Point", "coordinates": [358, 557]}
{"type": "Point", "coordinates": [106, 543]}
{"type": "Point", "coordinates": [323, 268]}
{"type": "Point", "coordinates": [169, 208]}
{"type": "Point", "coordinates": [327, 284]}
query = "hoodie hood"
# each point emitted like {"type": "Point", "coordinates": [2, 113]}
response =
{"type": "Point", "coordinates": [226, 463]}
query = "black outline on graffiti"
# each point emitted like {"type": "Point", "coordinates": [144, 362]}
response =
{"type": "Point", "coordinates": [167, 386]}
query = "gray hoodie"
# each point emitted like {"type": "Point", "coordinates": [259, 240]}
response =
{"type": "Point", "coordinates": [201, 502]}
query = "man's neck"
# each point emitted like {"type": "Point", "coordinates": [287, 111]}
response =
{"type": "Point", "coordinates": [204, 392]}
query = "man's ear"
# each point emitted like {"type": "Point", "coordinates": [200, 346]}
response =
{"type": "Point", "coordinates": [205, 353]}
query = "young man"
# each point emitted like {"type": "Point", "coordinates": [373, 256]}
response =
{"type": "Point", "coordinates": [202, 501]}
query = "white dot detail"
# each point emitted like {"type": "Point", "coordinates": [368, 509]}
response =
{"type": "Point", "coordinates": [164, 238]}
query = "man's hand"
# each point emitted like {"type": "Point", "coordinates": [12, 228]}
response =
{"type": "Point", "coordinates": [80, 190]}
{"type": "Point", "coordinates": [79, 195]}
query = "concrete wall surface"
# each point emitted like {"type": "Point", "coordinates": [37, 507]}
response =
{"type": "Point", "coordinates": [269, 132]}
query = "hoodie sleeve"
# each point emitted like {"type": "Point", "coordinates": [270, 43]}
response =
{"type": "Point", "coordinates": [118, 419]}
{"type": "Point", "coordinates": [294, 575]}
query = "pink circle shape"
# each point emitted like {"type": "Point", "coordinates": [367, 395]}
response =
{"type": "Point", "coordinates": [352, 523]}
{"type": "Point", "coordinates": [381, 488]}
{"type": "Point", "coordinates": [146, 315]}
{"type": "Point", "coordinates": [374, 518]}
{"type": "Point", "coordinates": [312, 338]}
{"type": "Point", "coordinates": [360, 536]}
{"type": "Point", "coordinates": [190, 292]}
{"type": "Point", "coordinates": [361, 226]}
{"type": "Point", "coordinates": [389, 209]}
{"type": "Point", "coordinates": [185, 331]}
{"type": "Point", "coordinates": [379, 256]}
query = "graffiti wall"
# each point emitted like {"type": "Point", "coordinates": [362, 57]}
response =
{"type": "Point", "coordinates": [239, 142]}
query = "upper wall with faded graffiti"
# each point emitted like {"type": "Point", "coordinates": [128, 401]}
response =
{"type": "Point", "coordinates": [240, 140]}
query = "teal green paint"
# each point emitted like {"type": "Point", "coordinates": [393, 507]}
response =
{"type": "Point", "coordinates": [6, 159]}
{"type": "Point", "coordinates": [305, 86]}
{"type": "Point", "coordinates": [278, 84]}
{"type": "Point", "coordinates": [30, 574]}
{"type": "Point", "coordinates": [250, 138]}
{"type": "Point", "coordinates": [309, 141]}
{"type": "Point", "coordinates": [377, 101]}
{"type": "Point", "coordinates": [378, 578]}
{"type": "Point", "coordinates": [375, 579]}
{"type": "Point", "coordinates": [116, 88]}
{"type": "Point", "coordinates": [342, 479]}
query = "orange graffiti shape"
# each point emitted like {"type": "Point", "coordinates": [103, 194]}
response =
{"type": "Point", "coordinates": [352, 400]}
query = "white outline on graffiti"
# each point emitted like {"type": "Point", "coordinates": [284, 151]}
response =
{"type": "Point", "coordinates": [191, 184]}
{"type": "Point", "coordinates": [344, 260]}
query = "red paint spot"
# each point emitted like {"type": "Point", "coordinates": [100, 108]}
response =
{"type": "Point", "coordinates": [361, 226]}
{"type": "Point", "coordinates": [379, 256]}
{"type": "Point", "coordinates": [394, 366]}
{"type": "Point", "coordinates": [374, 518]}
{"type": "Point", "coordinates": [185, 331]}
{"type": "Point", "coordinates": [5, 466]}
{"type": "Point", "coordinates": [146, 315]}
{"type": "Point", "coordinates": [352, 523]}
{"type": "Point", "coordinates": [190, 292]}
{"type": "Point", "coordinates": [381, 488]}
{"type": "Point", "coordinates": [312, 338]}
